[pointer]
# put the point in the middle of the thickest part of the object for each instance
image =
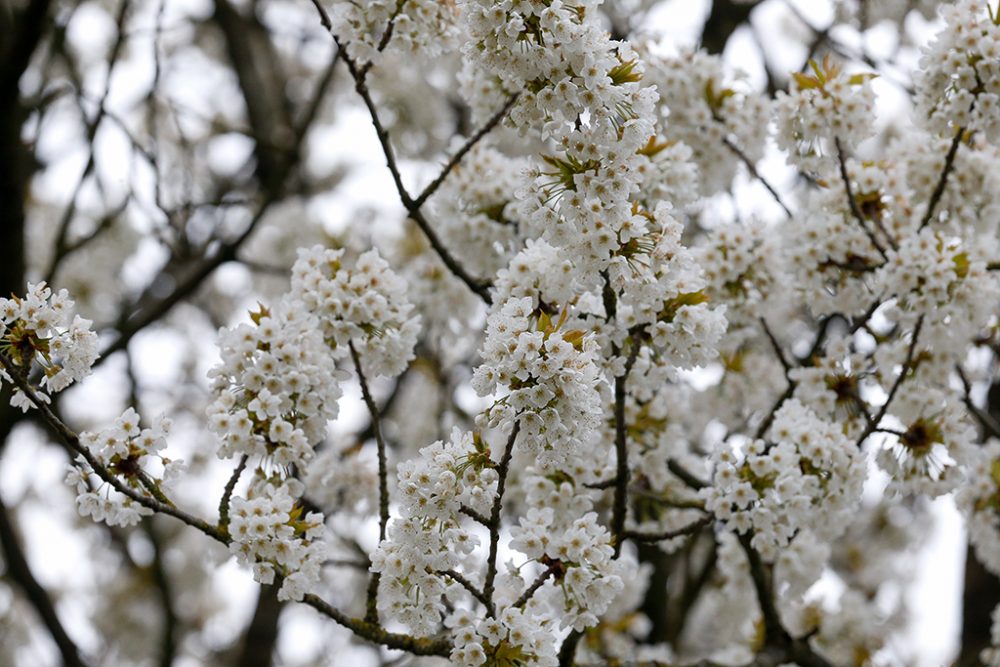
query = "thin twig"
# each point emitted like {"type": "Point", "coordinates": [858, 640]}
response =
{"type": "Point", "coordinates": [459, 578]}
{"type": "Point", "coordinates": [685, 475]}
{"type": "Point", "coordinates": [776, 346]}
{"type": "Point", "coordinates": [72, 441]}
{"type": "Point", "coordinates": [752, 168]}
{"type": "Point", "coordinates": [361, 627]}
{"type": "Point", "coordinates": [989, 424]}
{"type": "Point", "coordinates": [908, 365]}
{"type": "Point", "coordinates": [466, 147]}
{"type": "Point", "coordinates": [371, 614]}
{"type": "Point", "coordinates": [640, 536]}
{"type": "Point", "coordinates": [494, 521]}
{"type": "Point", "coordinates": [619, 510]}
{"type": "Point", "coordinates": [227, 492]}
{"type": "Point", "coordinates": [949, 163]}
{"type": "Point", "coordinates": [538, 583]}
{"type": "Point", "coordinates": [855, 211]}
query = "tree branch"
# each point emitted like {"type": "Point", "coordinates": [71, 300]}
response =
{"type": "Point", "coordinates": [494, 521]}
{"type": "Point", "coordinates": [371, 614]}
{"type": "Point", "coordinates": [949, 163]}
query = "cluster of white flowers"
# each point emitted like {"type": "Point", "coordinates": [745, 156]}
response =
{"type": "Point", "coordinates": [930, 454]}
{"type": "Point", "coordinates": [577, 550]}
{"type": "Point", "coordinates": [739, 263]}
{"type": "Point", "coordinates": [276, 386]}
{"type": "Point", "coordinates": [979, 497]}
{"type": "Point", "coordinates": [364, 305]}
{"type": "Point", "coordinates": [663, 294]}
{"type": "Point", "coordinates": [344, 479]}
{"type": "Point", "coordinates": [958, 85]}
{"type": "Point", "coordinates": [940, 278]}
{"type": "Point", "coordinates": [834, 385]}
{"type": "Point", "coordinates": [542, 377]}
{"type": "Point", "coordinates": [822, 108]}
{"type": "Point", "coordinates": [419, 27]}
{"type": "Point", "coordinates": [478, 216]}
{"type": "Point", "coordinates": [540, 271]}
{"type": "Point", "coordinates": [514, 637]}
{"type": "Point", "coordinates": [126, 451]}
{"type": "Point", "coordinates": [829, 255]}
{"type": "Point", "coordinates": [270, 533]}
{"type": "Point", "coordinates": [39, 330]}
{"type": "Point", "coordinates": [966, 200]}
{"type": "Point", "coordinates": [809, 475]}
{"type": "Point", "coordinates": [429, 538]}
{"type": "Point", "coordinates": [701, 108]}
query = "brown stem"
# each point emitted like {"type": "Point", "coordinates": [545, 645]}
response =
{"type": "Point", "coordinates": [383, 481]}
{"type": "Point", "coordinates": [494, 521]}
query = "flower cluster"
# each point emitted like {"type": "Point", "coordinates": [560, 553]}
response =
{"type": "Point", "coordinates": [958, 88]}
{"type": "Point", "coordinates": [939, 277]}
{"type": "Point", "coordinates": [478, 216]}
{"type": "Point", "coordinates": [663, 295]}
{"type": "Point", "coordinates": [833, 385]}
{"type": "Point", "coordinates": [276, 386]}
{"type": "Point", "coordinates": [363, 305]}
{"type": "Point", "coordinates": [979, 497]}
{"type": "Point", "coordinates": [40, 331]}
{"type": "Point", "coordinates": [542, 377]}
{"type": "Point", "coordinates": [515, 637]}
{"type": "Point", "coordinates": [270, 533]}
{"type": "Point", "coordinates": [824, 108]}
{"type": "Point", "coordinates": [830, 257]}
{"type": "Point", "coordinates": [126, 451]}
{"type": "Point", "coordinates": [429, 538]}
{"type": "Point", "coordinates": [417, 27]}
{"type": "Point", "coordinates": [928, 455]}
{"type": "Point", "coordinates": [575, 549]}
{"type": "Point", "coordinates": [700, 108]}
{"type": "Point", "coordinates": [809, 475]}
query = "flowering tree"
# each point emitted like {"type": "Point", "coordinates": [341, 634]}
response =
{"type": "Point", "coordinates": [634, 360]}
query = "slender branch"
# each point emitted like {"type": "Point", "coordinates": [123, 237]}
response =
{"type": "Point", "coordinates": [752, 168]}
{"type": "Point", "coordinates": [776, 346]}
{"type": "Point", "coordinates": [164, 586]}
{"type": "Point", "coordinates": [466, 147]}
{"type": "Point", "coordinates": [949, 163]}
{"type": "Point", "coordinates": [685, 475]}
{"type": "Point", "coordinates": [378, 635]}
{"type": "Point", "coordinates": [383, 465]}
{"type": "Point", "coordinates": [72, 441]}
{"type": "Point", "coordinates": [908, 365]}
{"type": "Point", "coordinates": [469, 586]}
{"type": "Point", "coordinates": [774, 631]}
{"type": "Point", "coordinates": [852, 202]}
{"type": "Point", "coordinates": [62, 248]}
{"type": "Point", "coordinates": [383, 480]}
{"type": "Point", "coordinates": [363, 628]}
{"type": "Point", "coordinates": [227, 493]}
{"type": "Point", "coordinates": [619, 510]}
{"type": "Point", "coordinates": [552, 569]}
{"type": "Point", "coordinates": [988, 423]}
{"type": "Point", "coordinates": [766, 423]}
{"type": "Point", "coordinates": [144, 315]}
{"type": "Point", "coordinates": [689, 529]}
{"type": "Point", "coordinates": [494, 521]}
{"type": "Point", "coordinates": [474, 515]}
{"type": "Point", "coordinates": [567, 651]}
{"type": "Point", "coordinates": [479, 287]}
